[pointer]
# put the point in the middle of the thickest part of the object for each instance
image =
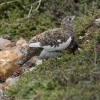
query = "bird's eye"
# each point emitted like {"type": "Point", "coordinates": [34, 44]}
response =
{"type": "Point", "coordinates": [70, 19]}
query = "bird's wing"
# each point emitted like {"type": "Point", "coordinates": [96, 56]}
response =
{"type": "Point", "coordinates": [51, 38]}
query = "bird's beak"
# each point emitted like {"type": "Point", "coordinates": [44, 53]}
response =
{"type": "Point", "coordinates": [73, 17]}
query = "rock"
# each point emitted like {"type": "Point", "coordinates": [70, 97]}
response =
{"type": "Point", "coordinates": [81, 37]}
{"type": "Point", "coordinates": [10, 81]}
{"type": "Point", "coordinates": [1, 86]}
{"type": "Point", "coordinates": [21, 43]}
{"type": "Point", "coordinates": [37, 60]}
{"type": "Point", "coordinates": [1, 91]}
{"type": "Point", "coordinates": [17, 51]}
{"type": "Point", "coordinates": [97, 22]}
{"type": "Point", "coordinates": [79, 49]}
{"type": "Point", "coordinates": [4, 43]}
{"type": "Point", "coordinates": [6, 37]}
{"type": "Point", "coordinates": [1, 94]}
{"type": "Point", "coordinates": [29, 64]}
{"type": "Point", "coordinates": [2, 79]}
{"type": "Point", "coordinates": [7, 63]}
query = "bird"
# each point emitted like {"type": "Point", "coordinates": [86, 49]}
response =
{"type": "Point", "coordinates": [50, 43]}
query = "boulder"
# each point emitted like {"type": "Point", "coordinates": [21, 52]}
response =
{"type": "Point", "coordinates": [4, 43]}
{"type": "Point", "coordinates": [7, 63]}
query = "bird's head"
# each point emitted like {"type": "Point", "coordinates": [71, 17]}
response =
{"type": "Point", "coordinates": [67, 21]}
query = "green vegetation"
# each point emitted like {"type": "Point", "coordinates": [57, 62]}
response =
{"type": "Point", "coordinates": [72, 77]}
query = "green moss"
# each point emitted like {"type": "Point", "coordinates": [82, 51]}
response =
{"type": "Point", "coordinates": [68, 77]}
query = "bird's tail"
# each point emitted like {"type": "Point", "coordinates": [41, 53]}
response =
{"type": "Point", "coordinates": [25, 57]}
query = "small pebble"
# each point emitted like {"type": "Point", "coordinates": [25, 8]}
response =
{"type": "Point", "coordinates": [30, 64]}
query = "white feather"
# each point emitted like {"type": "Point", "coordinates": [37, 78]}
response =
{"type": "Point", "coordinates": [52, 48]}
{"type": "Point", "coordinates": [60, 47]}
{"type": "Point", "coordinates": [58, 40]}
{"type": "Point", "coordinates": [37, 44]}
{"type": "Point", "coordinates": [46, 54]}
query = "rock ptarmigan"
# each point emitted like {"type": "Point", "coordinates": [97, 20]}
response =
{"type": "Point", "coordinates": [51, 42]}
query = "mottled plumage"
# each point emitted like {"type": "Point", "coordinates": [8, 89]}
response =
{"type": "Point", "coordinates": [51, 42]}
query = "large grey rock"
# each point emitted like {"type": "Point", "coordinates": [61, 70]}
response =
{"type": "Point", "coordinates": [4, 43]}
